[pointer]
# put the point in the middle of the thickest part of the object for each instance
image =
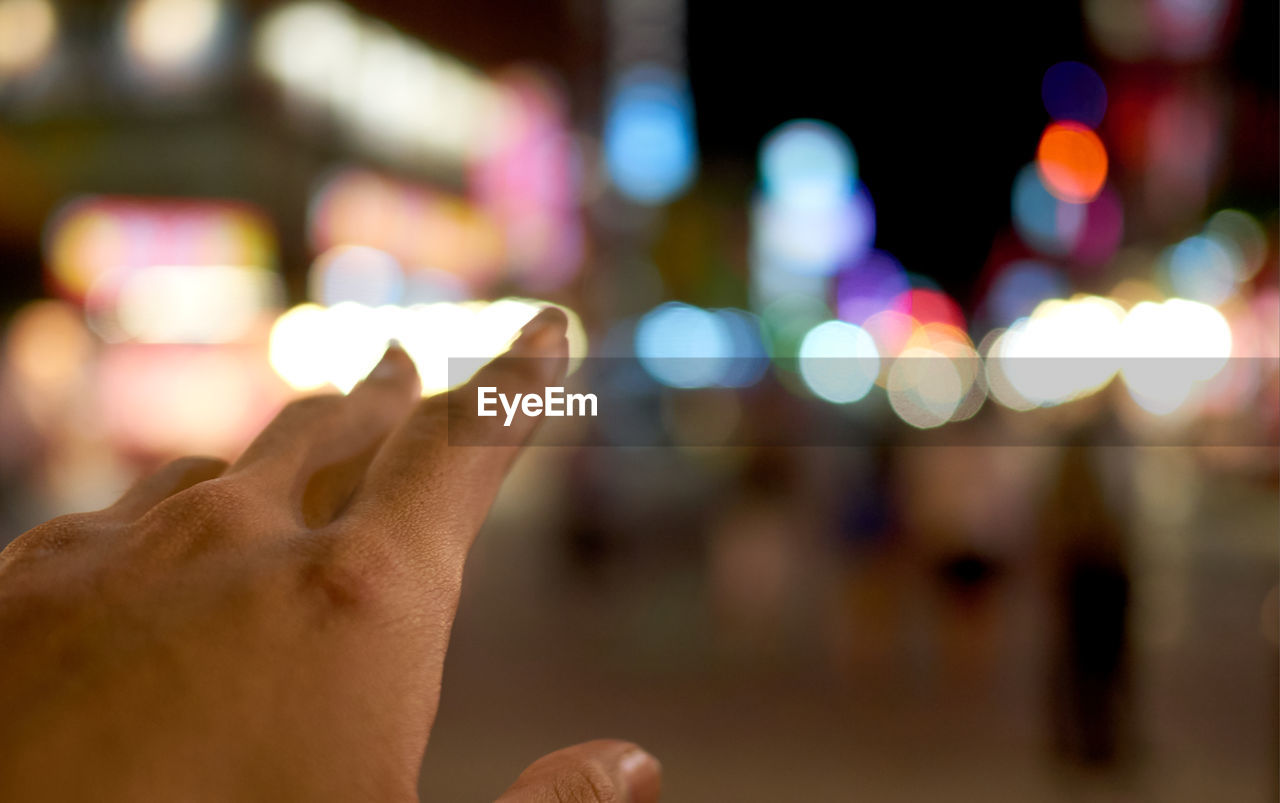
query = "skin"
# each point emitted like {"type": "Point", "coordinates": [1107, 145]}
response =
{"type": "Point", "coordinates": [275, 629]}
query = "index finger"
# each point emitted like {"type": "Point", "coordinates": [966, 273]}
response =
{"type": "Point", "coordinates": [428, 496]}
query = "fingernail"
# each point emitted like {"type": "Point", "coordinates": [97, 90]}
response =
{"type": "Point", "coordinates": [643, 776]}
{"type": "Point", "coordinates": [391, 365]}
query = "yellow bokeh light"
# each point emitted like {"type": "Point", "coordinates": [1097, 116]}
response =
{"type": "Point", "coordinates": [165, 35]}
{"type": "Point", "coordinates": [28, 30]}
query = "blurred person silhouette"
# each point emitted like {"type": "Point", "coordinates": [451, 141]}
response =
{"type": "Point", "coordinates": [274, 629]}
{"type": "Point", "coordinates": [1090, 588]}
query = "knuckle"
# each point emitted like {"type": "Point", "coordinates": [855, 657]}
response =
{"type": "Point", "coordinates": [308, 408]}
{"type": "Point", "coordinates": [198, 465]}
{"type": "Point", "coordinates": [218, 502]}
{"type": "Point", "coordinates": [57, 533]}
{"type": "Point", "coordinates": [585, 782]}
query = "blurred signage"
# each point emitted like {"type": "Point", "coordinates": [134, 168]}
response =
{"type": "Point", "coordinates": [164, 270]}
{"type": "Point", "coordinates": [392, 93]}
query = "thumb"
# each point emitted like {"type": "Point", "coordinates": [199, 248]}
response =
{"type": "Point", "coordinates": [603, 771]}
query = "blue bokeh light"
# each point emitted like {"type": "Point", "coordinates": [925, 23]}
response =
{"type": "Point", "coordinates": [650, 147]}
{"type": "Point", "coordinates": [1073, 91]}
{"type": "Point", "coordinates": [683, 346]}
{"type": "Point", "coordinates": [808, 163]}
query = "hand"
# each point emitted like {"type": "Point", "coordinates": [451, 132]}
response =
{"type": "Point", "coordinates": [274, 629]}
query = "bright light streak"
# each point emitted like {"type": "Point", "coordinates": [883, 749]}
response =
{"type": "Point", "coordinates": [839, 361]}
{"type": "Point", "coordinates": [194, 304]}
{"type": "Point", "coordinates": [28, 32]}
{"type": "Point", "coordinates": [650, 146]}
{"type": "Point", "coordinates": [393, 93]}
{"type": "Point", "coordinates": [171, 36]}
{"type": "Point", "coordinates": [313, 346]}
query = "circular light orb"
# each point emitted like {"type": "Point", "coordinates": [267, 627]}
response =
{"type": "Point", "coordinates": [927, 305]}
{"type": "Point", "coordinates": [1072, 162]}
{"type": "Point", "coordinates": [814, 240]}
{"type": "Point", "coordinates": [28, 31]}
{"type": "Point", "coordinates": [1065, 350]}
{"type": "Point", "coordinates": [1073, 91]}
{"type": "Point", "coordinates": [924, 387]}
{"type": "Point", "coordinates": [1042, 221]}
{"type": "Point", "coordinates": [683, 346]}
{"type": "Point", "coordinates": [293, 348]}
{"type": "Point", "coordinates": [1201, 269]}
{"type": "Point", "coordinates": [1020, 287]}
{"type": "Point", "coordinates": [650, 148]}
{"type": "Point", "coordinates": [839, 361]}
{"type": "Point", "coordinates": [748, 360]}
{"type": "Point", "coordinates": [1100, 230]}
{"type": "Point", "coordinates": [871, 285]}
{"type": "Point", "coordinates": [1170, 347]}
{"type": "Point", "coordinates": [1245, 233]}
{"type": "Point", "coordinates": [171, 35]}
{"type": "Point", "coordinates": [808, 163]}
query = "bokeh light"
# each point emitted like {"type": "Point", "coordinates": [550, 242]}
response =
{"type": "Point", "coordinates": [1064, 350]}
{"type": "Point", "coordinates": [311, 346]}
{"type": "Point", "coordinates": [191, 304]}
{"type": "Point", "coordinates": [1100, 231]}
{"type": "Point", "coordinates": [1045, 223]}
{"type": "Point", "coordinates": [650, 145]}
{"type": "Point", "coordinates": [28, 33]}
{"type": "Point", "coordinates": [814, 240]}
{"type": "Point", "coordinates": [808, 164]}
{"type": "Point", "coordinates": [1073, 91]}
{"type": "Point", "coordinates": [683, 346]}
{"type": "Point", "coordinates": [870, 285]}
{"type": "Point", "coordinates": [839, 361]}
{"type": "Point", "coordinates": [1169, 348]}
{"type": "Point", "coordinates": [924, 387]}
{"type": "Point", "coordinates": [1072, 162]}
{"type": "Point", "coordinates": [1202, 269]}
{"type": "Point", "coordinates": [357, 273]}
{"type": "Point", "coordinates": [171, 36]}
{"type": "Point", "coordinates": [1232, 227]}
{"type": "Point", "coordinates": [1020, 287]}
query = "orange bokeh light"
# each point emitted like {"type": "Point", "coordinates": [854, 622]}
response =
{"type": "Point", "coordinates": [1072, 162]}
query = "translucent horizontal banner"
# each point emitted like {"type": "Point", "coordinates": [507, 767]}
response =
{"type": "Point", "coordinates": [852, 401]}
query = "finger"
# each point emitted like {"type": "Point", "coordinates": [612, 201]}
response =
{"type": "Point", "coordinates": [158, 486]}
{"type": "Point", "coordinates": [603, 771]}
{"type": "Point", "coordinates": [429, 496]}
{"type": "Point", "coordinates": [315, 452]}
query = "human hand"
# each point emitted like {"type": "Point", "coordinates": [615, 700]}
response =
{"type": "Point", "coordinates": [274, 629]}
